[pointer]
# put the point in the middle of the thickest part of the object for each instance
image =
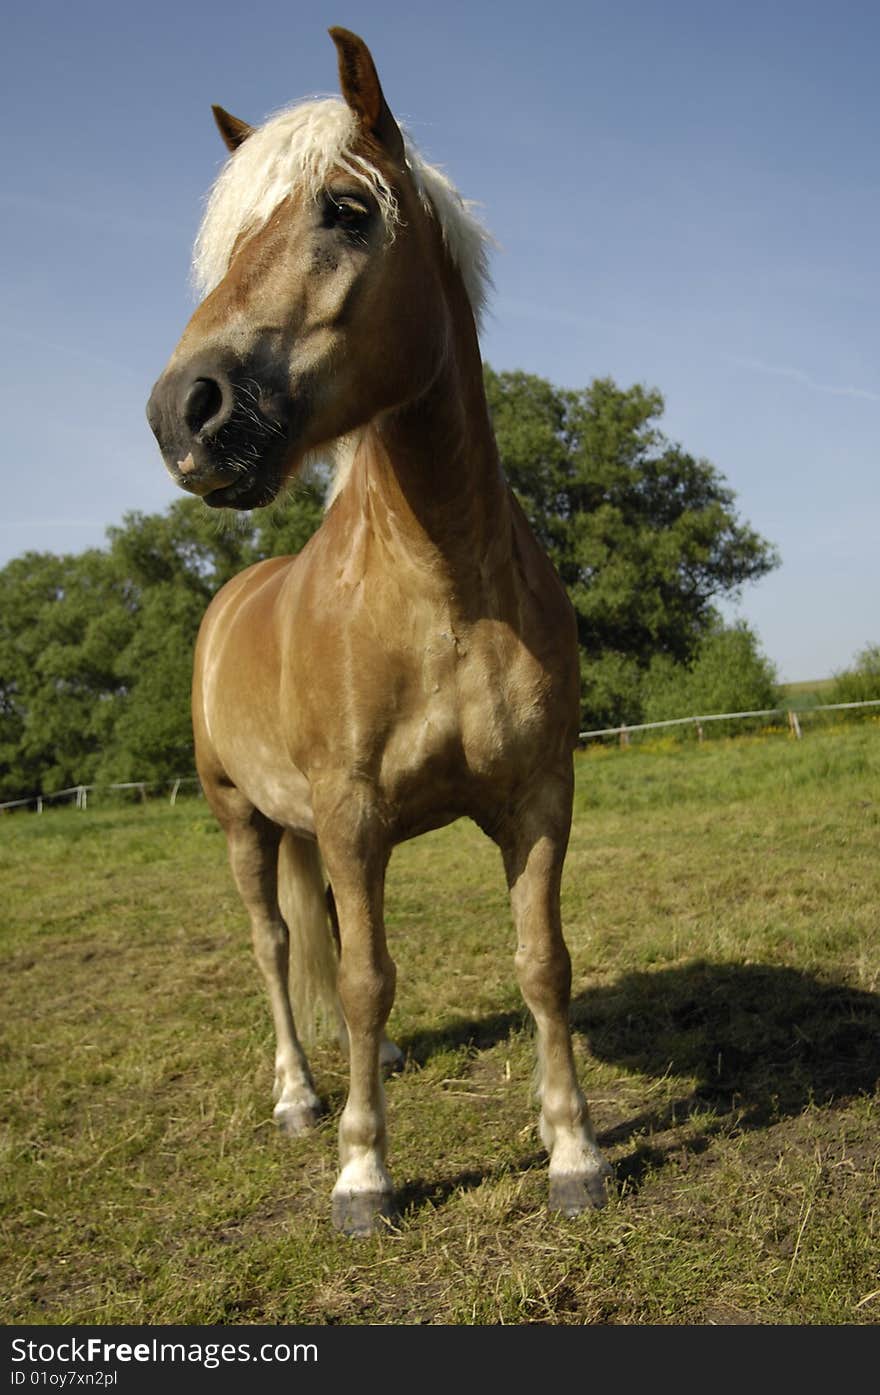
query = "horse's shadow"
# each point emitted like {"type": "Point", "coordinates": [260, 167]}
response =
{"type": "Point", "coordinates": [757, 1044]}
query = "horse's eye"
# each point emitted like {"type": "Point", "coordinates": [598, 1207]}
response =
{"type": "Point", "coordinates": [346, 211]}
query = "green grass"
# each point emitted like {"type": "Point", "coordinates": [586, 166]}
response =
{"type": "Point", "coordinates": [721, 909]}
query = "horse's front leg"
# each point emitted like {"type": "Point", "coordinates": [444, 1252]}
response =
{"type": "Point", "coordinates": [533, 843]}
{"type": "Point", "coordinates": [253, 843]}
{"type": "Point", "coordinates": [356, 858]}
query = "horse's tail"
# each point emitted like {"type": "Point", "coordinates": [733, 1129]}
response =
{"type": "Point", "coordinates": [314, 961]}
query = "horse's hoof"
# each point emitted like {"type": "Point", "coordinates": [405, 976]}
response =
{"type": "Point", "coordinates": [363, 1213]}
{"type": "Point", "coordinates": [293, 1120]}
{"type": "Point", "coordinates": [572, 1192]}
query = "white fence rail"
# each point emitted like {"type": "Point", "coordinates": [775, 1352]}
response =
{"type": "Point", "coordinates": [80, 793]}
{"type": "Point", "coordinates": [793, 714]}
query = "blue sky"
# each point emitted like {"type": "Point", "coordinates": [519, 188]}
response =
{"type": "Point", "coordinates": [685, 195]}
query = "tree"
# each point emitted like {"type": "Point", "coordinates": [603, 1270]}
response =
{"type": "Point", "coordinates": [96, 649]}
{"type": "Point", "coordinates": [151, 735]}
{"type": "Point", "coordinates": [728, 673]}
{"type": "Point", "coordinates": [64, 622]}
{"type": "Point", "coordinates": [645, 537]}
{"type": "Point", "coordinates": [189, 545]}
{"type": "Point", "coordinates": [861, 683]}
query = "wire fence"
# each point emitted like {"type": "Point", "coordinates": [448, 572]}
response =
{"type": "Point", "coordinates": [79, 794]}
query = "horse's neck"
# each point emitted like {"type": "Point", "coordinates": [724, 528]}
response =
{"type": "Point", "coordinates": [433, 498]}
{"type": "Point", "coordinates": [428, 480]}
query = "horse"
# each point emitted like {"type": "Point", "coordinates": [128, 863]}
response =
{"type": "Point", "coordinates": [417, 661]}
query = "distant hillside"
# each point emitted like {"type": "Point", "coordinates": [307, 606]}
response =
{"type": "Point", "coordinates": [811, 693]}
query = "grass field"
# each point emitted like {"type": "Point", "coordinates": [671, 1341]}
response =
{"type": "Point", "coordinates": [721, 905]}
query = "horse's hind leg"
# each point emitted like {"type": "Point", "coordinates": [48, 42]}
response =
{"type": "Point", "coordinates": [253, 843]}
{"type": "Point", "coordinates": [534, 845]}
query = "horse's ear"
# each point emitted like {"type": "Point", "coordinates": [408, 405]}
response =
{"type": "Point", "coordinates": [233, 131]}
{"type": "Point", "coordinates": [360, 88]}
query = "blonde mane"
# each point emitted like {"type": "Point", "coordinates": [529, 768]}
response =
{"type": "Point", "coordinates": [299, 148]}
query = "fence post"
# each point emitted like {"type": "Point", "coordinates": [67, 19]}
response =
{"type": "Point", "coordinates": [39, 804]}
{"type": "Point", "coordinates": [624, 736]}
{"type": "Point", "coordinates": [699, 726]}
{"type": "Point", "coordinates": [794, 724]}
{"type": "Point", "coordinates": [173, 799]}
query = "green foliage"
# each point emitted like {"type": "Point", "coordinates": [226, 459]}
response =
{"type": "Point", "coordinates": [728, 673]}
{"type": "Point", "coordinates": [152, 732]}
{"type": "Point", "coordinates": [96, 649]}
{"type": "Point", "coordinates": [63, 623]}
{"type": "Point", "coordinates": [861, 683]}
{"type": "Point", "coordinates": [645, 536]}
{"type": "Point", "coordinates": [611, 685]}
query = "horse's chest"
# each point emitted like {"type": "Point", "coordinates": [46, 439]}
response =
{"type": "Point", "coordinates": [468, 710]}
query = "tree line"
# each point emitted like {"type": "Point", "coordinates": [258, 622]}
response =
{"type": "Point", "coordinates": [96, 648]}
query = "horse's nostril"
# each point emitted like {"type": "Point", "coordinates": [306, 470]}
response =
{"type": "Point", "coordinates": [203, 402]}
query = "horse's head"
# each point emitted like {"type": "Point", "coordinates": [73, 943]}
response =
{"type": "Point", "coordinates": [325, 256]}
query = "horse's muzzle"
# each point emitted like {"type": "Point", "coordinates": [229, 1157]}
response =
{"type": "Point", "coordinates": [222, 437]}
